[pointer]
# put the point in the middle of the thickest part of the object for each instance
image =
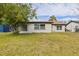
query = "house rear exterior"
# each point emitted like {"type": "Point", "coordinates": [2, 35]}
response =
{"type": "Point", "coordinates": [45, 27]}
{"type": "Point", "coordinates": [41, 26]}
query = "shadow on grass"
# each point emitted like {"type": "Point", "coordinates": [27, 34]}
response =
{"type": "Point", "coordinates": [34, 34]}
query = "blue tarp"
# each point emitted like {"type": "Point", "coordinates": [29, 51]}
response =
{"type": "Point", "coordinates": [1, 28]}
{"type": "Point", "coordinates": [4, 28]}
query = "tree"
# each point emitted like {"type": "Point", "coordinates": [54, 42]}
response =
{"type": "Point", "coordinates": [52, 18]}
{"type": "Point", "coordinates": [16, 14]}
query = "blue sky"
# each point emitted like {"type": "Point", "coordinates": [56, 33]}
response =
{"type": "Point", "coordinates": [62, 11]}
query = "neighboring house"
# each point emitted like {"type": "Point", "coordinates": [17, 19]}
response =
{"type": "Point", "coordinates": [42, 26]}
{"type": "Point", "coordinates": [72, 26]}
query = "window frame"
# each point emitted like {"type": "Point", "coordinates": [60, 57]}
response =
{"type": "Point", "coordinates": [24, 28]}
{"type": "Point", "coordinates": [39, 26]}
{"type": "Point", "coordinates": [59, 27]}
{"type": "Point", "coordinates": [36, 25]}
{"type": "Point", "coordinates": [42, 26]}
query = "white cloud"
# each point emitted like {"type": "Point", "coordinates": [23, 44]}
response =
{"type": "Point", "coordinates": [57, 9]}
{"type": "Point", "coordinates": [68, 19]}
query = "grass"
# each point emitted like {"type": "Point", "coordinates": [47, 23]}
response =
{"type": "Point", "coordinates": [42, 44]}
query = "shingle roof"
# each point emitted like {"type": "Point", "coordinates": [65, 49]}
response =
{"type": "Point", "coordinates": [55, 22]}
{"type": "Point", "coordinates": [59, 22]}
{"type": "Point", "coordinates": [72, 21]}
{"type": "Point", "coordinates": [40, 22]}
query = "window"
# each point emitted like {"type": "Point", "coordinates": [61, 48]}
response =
{"type": "Point", "coordinates": [42, 26]}
{"type": "Point", "coordinates": [39, 26]}
{"type": "Point", "coordinates": [36, 26]}
{"type": "Point", "coordinates": [59, 27]}
{"type": "Point", "coordinates": [24, 27]}
{"type": "Point", "coordinates": [76, 29]}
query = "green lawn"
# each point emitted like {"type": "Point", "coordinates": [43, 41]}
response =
{"type": "Point", "coordinates": [42, 44]}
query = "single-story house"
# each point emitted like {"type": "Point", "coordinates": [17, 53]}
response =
{"type": "Point", "coordinates": [45, 27]}
{"type": "Point", "coordinates": [42, 26]}
{"type": "Point", "coordinates": [72, 26]}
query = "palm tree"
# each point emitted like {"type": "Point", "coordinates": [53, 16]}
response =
{"type": "Point", "coordinates": [52, 18]}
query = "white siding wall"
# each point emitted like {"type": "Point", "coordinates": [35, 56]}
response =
{"type": "Point", "coordinates": [54, 28]}
{"type": "Point", "coordinates": [71, 26]}
{"type": "Point", "coordinates": [30, 29]}
{"type": "Point", "coordinates": [47, 28]}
